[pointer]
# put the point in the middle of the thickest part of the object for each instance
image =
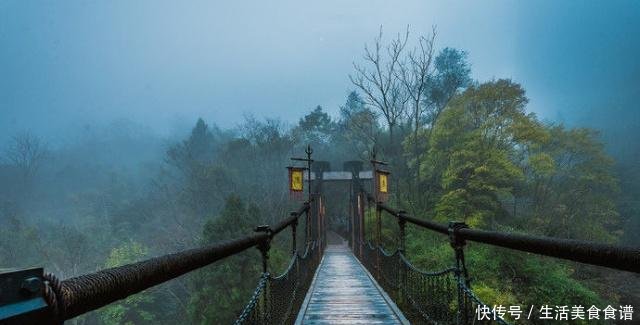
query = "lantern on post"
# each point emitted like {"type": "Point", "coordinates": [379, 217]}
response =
{"type": "Point", "coordinates": [381, 181]}
{"type": "Point", "coordinates": [296, 185]}
{"type": "Point", "coordinates": [296, 182]}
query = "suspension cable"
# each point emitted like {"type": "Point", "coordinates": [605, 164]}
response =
{"type": "Point", "coordinates": [617, 257]}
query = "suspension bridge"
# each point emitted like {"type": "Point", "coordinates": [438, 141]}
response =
{"type": "Point", "coordinates": [334, 280]}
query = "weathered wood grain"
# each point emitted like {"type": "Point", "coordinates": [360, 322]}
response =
{"type": "Point", "coordinates": [343, 293]}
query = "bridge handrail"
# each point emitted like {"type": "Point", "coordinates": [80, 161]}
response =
{"type": "Point", "coordinates": [75, 296]}
{"type": "Point", "coordinates": [81, 294]}
{"type": "Point", "coordinates": [280, 226]}
{"type": "Point", "coordinates": [623, 258]}
{"type": "Point", "coordinates": [293, 259]}
{"type": "Point", "coordinates": [412, 267]}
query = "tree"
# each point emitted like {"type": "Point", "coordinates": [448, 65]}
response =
{"type": "Point", "coordinates": [358, 126]}
{"type": "Point", "coordinates": [573, 187]}
{"type": "Point", "coordinates": [204, 183]}
{"type": "Point", "coordinates": [379, 80]}
{"type": "Point", "coordinates": [198, 149]}
{"type": "Point", "coordinates": [452, 73]}
{"type": "Point", "coordinates": [442, 78]}
{"type": "Point", "coordinates": [315, 128]}
{"type": "Point", "coordinates": [486, 150]}
{"type": "Point", "coordinates": [133, 309]}
{"type": "Point", "coordinates": [220, 292]}
{"type": "Point", "coordinates": [416, 76]}
{"type": "Point", "coordinates": [26, 152]}
{"type": "Point", "coordinates": [474, 143]}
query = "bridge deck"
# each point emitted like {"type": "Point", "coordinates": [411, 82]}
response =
{"type": "Point", "coordinates": [343, 292]}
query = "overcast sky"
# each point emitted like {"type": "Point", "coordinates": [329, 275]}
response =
{"type": "Point", "coordinates": [163, 64]}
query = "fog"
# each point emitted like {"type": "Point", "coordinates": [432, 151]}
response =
{"type": "Point", "coordinates": [164, 64]}
{"type": "Point", "coordinates": [132, 129]}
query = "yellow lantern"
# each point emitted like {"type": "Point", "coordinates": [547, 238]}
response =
{"type": "Point", "coordinates": [296, 182]}
{"type": "Point", "coordinates": [381, 181]}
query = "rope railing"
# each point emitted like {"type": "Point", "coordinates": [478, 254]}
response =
{"type": "Point", "coordinates": [446, 297]}
{"type": "Point", "coordinates": [469, 303]}
{"type": "Point", "coordinates": [78, 295]}
{"type": "Point", "coordinates": [277, 299]}
{"type": "Point", "coordinates": [253, 312]}
{"type": "Point", "coordinates": [293, 219]}
{"type": "Point", "coordinates": [611, 256]}
{"type": "Point", "coordinates": [69, 298]}
{"type": "Point", "coordinates": [440, 297]}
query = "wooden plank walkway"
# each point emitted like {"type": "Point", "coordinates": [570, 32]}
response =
{"type": "Point", "coordinates": [343, 292]}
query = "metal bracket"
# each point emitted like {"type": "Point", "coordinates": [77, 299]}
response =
{"type": "Point", "coordinates": [265, 245]}
{"type": "Point", "coordinates": [22, 297]}
{"type": "Point", "coordinates": [265, 229]}
{"type": "Point", "coordinates": [454, 239]}
{"type": "Point", "coordinates": [458, 246]}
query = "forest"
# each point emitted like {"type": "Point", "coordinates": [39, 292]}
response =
{"type": "Point", "coordinates": [458, 148]}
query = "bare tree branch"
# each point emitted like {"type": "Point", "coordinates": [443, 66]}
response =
{"type": "Point", "coordinates": [415, 74]}
{"type": "Point", "coordinates": [378, 79]}
{"type": "Point", "coordinates": [26, 152]}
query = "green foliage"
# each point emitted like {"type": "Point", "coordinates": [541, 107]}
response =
{"type": "Point", "coordinates": [573, 187]}
{"type": "Point", "coordinates": [472, 141]}
{"type": "Point", "coordinates": [125, 254]}
{"type": "Point", "coordinates": [205, 183]}
{"type": "Point", "coordinates": [485, 148]}
{"type": "Point", "coordinates": [315, 128]}
{"type": "Point", "coordinates": [199, 148]}
{"type": "Point", "coordinates": [222, 290]}
{"type": "Point", "coordinates": [542, 164]}
{"type": "Point", "coordinates": [357, 130]}
{"type": "Point", "coordinates": [490, 164]}
{"type": "Point", "coordinates": [134, 309]}
{"type": "Point", "coordinates": [452, 73]}
{"type": "Point", "coordinates": [475, 155]}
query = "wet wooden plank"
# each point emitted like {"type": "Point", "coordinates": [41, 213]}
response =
{"type": "Point", "coordinates": [344, 293]}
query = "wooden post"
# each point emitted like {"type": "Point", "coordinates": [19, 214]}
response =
{"type": "Point", "coordinates": [294, 247]}
{"type": "Point", "coordinates": [319, 221]}
{"type": "Point", "coordinates": [361, 220]}
{"type": "Point", "coordinates": [378, 237]}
